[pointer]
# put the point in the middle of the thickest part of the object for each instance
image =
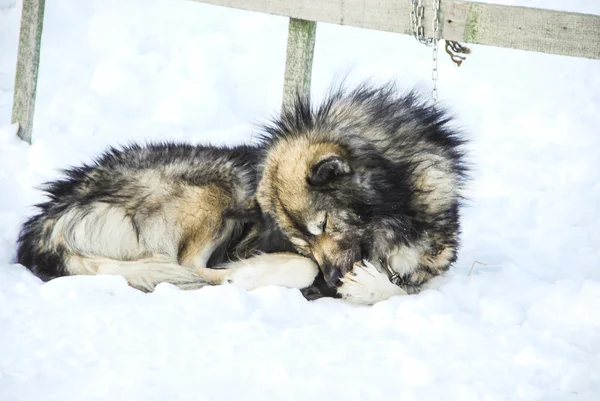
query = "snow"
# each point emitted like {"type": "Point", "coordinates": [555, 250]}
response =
{"type": "Point", "coordinates": [524, 326]}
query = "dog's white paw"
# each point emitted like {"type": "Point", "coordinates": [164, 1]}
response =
{"type": "Point", "coordinates": [365, 284]}
{"type": "Point", "coordinates": [286, 270]}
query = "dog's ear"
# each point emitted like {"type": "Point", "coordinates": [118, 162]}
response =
{"type": "Point", "coordinates": [327, 170]}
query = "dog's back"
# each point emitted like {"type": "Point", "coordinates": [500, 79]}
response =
{"type": "Point", "coordinates": [151, 214]}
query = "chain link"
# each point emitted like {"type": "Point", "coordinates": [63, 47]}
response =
{"type": "Point", "coordinates": [417, 14]}
{"type": "Point", "coordinates": [435, 24]}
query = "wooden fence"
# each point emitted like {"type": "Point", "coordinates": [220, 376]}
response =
{"type": "Point", "coordinates": [540, 30]}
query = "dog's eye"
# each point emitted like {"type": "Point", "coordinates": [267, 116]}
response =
{"type": "Point", "coordinates": [323, 225]}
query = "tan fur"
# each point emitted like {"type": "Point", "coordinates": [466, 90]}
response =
{"type": "Point", "coordinates": [325, 247]}
{"type": "Point", "coordinates": [199, 212]}
{"type": "Point", "coordinates": [283, 186]}
{"type": "Point", "coordinates": [436, 183]}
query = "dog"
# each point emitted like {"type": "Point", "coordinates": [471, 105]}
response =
{"type": "Point", "coordinates": [368, 184]}
{"type": "Point", "coordinates": [357, 198]}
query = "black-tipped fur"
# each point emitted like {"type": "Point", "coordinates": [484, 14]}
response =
{"type": "Point", "coordinates": [143, 183]}
{"type": "Point", "coordinates": [389, 182]}
{"type": "Point", "coordinates": [369, 174]}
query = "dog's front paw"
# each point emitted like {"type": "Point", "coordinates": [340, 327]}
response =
{"type": "Point", "coordinates": [366, 285]}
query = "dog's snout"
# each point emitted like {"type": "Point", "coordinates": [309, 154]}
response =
{"type": "Point", "coordinates": [332, 277]}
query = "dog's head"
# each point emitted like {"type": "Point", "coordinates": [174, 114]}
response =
{"type": "Point", "coordinates": [330, 198]}
{"type": "Point", "coordinates": [361, 174]}
{"type": "Point", "coordinates": [358, 175]}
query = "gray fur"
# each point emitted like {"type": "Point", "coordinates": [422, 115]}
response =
{"type": "Point", "coordinates": [367, 182]}
{"type": "Point", "coordinates": [370, 174]}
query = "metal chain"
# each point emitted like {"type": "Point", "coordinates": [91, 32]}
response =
{"type": "Point", "coordinates": [417, 13]}
{"type": "Point", "coordinates": [435, 25]}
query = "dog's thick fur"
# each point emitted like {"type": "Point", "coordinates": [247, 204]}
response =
{"type": "Point", "coordinates": [366, 183]}
{"type": "Point", "coordinates": [161, 213]}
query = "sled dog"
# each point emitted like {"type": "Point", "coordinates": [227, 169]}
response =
{"type": "Point", "coordinates": [356, 198]}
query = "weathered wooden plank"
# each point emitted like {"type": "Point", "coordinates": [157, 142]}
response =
{"type": "Point", "coordinates": [28, 59]}
{"type": "Point", "coordinates": [547, 31]}
{"type": "Point", "coordinates": [384, 15]}
{"type": "Point", "coordinates": [299, 58]}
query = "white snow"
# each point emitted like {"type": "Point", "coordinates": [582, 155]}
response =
{"type": "Point", "coordinates": [526, 326]}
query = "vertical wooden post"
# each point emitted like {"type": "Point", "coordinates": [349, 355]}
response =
{"type": "Point", "coordinates": [28, 59]}
{"type": "Point", "coordinates": [299, 58]}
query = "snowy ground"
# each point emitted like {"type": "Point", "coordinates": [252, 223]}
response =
{"type": "Point", "coordinates": [524, 327]}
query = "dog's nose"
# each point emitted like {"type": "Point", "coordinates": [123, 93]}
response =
{"type": "Point", "coordinates": [332, 277]}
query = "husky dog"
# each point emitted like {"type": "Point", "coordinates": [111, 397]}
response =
{"type": "Point", "coordinates": [357, 198]}
{"type": "Point", "coordinates": [368, 185]}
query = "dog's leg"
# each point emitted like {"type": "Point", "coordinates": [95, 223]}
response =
{"type": "Point", "coordinates": [286, 270]}
{"type": "Point", "coordinates": [146, 274]}
{"type": "Point", "coordinates": [365, 284]}
{"type": "Point", "coordinates": [281, 269]}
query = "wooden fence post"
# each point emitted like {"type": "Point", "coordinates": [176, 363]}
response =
{"type": "Point", "coordinates": [299, 58]}
{"type": "Point", "coordinates": [28, 60]}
